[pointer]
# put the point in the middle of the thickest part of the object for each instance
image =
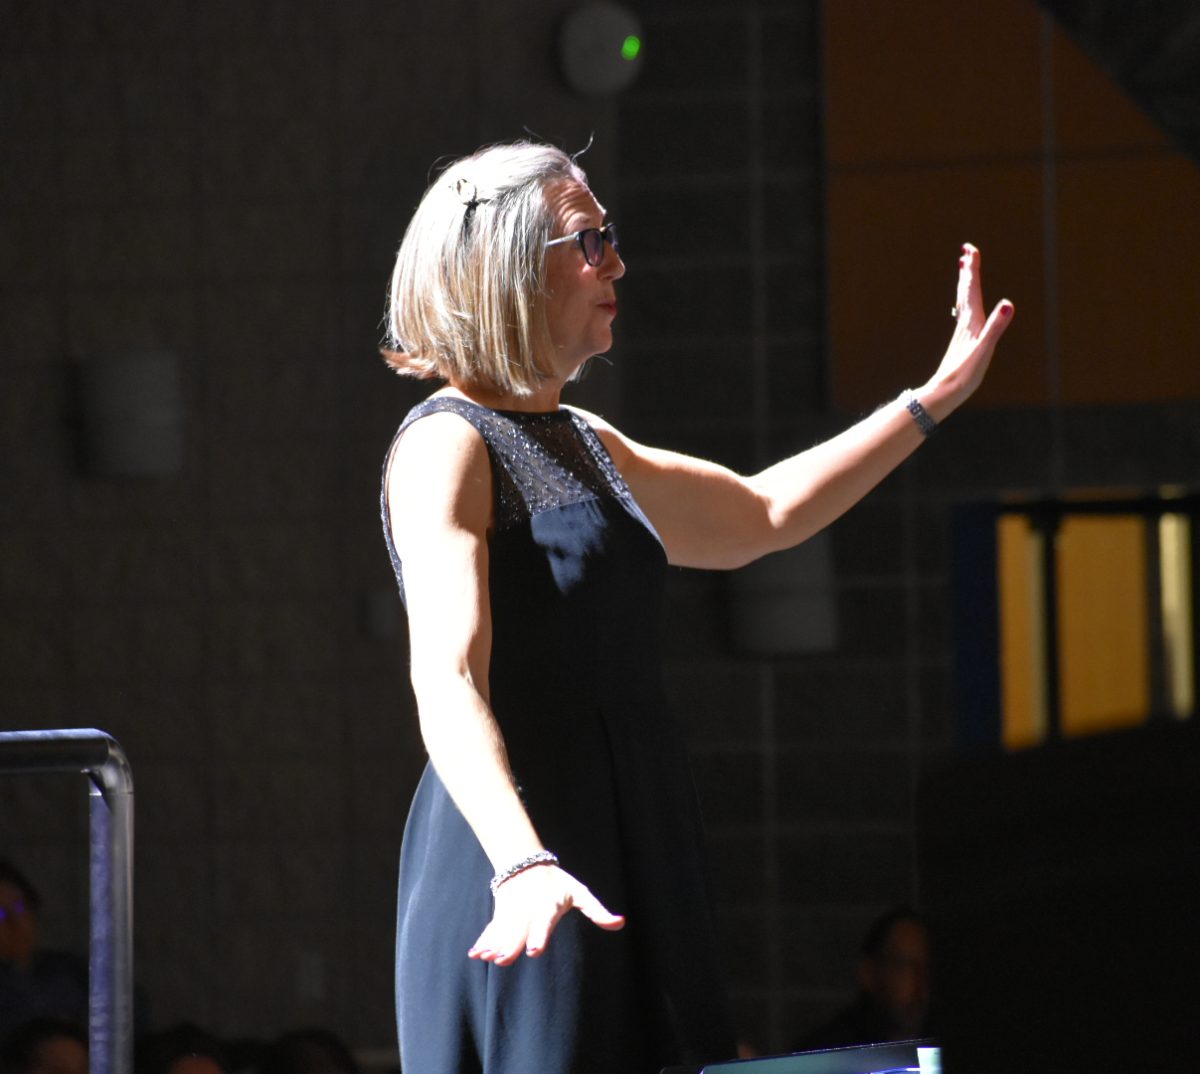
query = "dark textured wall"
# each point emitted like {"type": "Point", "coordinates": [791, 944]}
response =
{"type": "Point", "coordinates": [229, 181]}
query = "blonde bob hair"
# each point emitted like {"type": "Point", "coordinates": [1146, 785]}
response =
{"type": "Point", "coordinates": [467, 298]}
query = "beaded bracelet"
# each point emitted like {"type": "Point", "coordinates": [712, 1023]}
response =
{"type": "Point", "coordinates": [542, 857]}
{"type": "Point", "coordinates": [925, 421]}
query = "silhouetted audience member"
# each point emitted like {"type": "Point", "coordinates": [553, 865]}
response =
{"type": "Point", "coordinates": [34, 982]}
{"type": "Point", "coordinates": [182, 1049]}
{"type": "Point", "coordinates": [45, 1046]}
{"type": "Point", "coordinates": [893, 987]}
{"type": "Point", "coordinates": [308, 1051]}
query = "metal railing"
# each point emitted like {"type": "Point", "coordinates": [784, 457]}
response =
{"type": "Point", "coordinates": [110, 954]}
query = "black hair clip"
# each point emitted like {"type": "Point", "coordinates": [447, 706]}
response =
{"type": "Point", "coordinates": [469, 196]}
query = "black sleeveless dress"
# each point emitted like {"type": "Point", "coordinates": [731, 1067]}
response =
{"type": "Point", "coordinates": [576, 573]}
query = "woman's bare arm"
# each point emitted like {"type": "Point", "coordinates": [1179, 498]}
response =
{"type": "Point", "coordinates": [439, 495]}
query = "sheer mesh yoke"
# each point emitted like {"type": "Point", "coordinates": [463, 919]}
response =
{"type": "Point", "coordinates": [540, 461]}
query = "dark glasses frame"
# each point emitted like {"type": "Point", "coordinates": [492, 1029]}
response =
{"type": "Point", "coordinates": [591, 241]}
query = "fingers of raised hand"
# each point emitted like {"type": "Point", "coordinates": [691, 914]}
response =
{"type": "Point", "coordinates": [968, 306]}
{"type": "Point", "coordinates": [975, 332]}
{"type": "Point", "coordinates": [997, 323]}
{"type": "Point", "coordinates": [968, 300]}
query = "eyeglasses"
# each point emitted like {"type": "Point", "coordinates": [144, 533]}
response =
{"type": "Point", "coordinates": [591, 241]}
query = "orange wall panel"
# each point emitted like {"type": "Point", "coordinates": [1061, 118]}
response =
{"type": "Point", "coordinates": [1091, 113]}
{"type": "Point", "coordinates": [893, 269]}
{"type": "Point", "coordinates": [935, 135]}
{"type": "Point", "coordinates": [929, 80]}
{"type": "Point", "coordinates": [1128, 283]}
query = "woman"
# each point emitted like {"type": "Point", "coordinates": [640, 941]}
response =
{"type": "Point", "coordinates": [530, 542]}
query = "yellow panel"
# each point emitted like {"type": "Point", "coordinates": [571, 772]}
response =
{"type": "Point", "coordinates": [1175, 571]}
{"type": "Point", "coordinates": [1103, 644]}
{"type": "Point", "coordinates": [1022, 644]}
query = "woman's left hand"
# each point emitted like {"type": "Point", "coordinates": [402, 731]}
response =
{"type": "Point", "coordinates": [971, 346]}
{"type": "Point", "coordinates": [528, 908]}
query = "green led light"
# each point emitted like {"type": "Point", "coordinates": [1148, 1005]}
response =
{"type": "Point", "coordinates": [631, 47]}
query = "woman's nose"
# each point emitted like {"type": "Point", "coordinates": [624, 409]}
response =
{"type": "Point", "coordinates": [612, 267]}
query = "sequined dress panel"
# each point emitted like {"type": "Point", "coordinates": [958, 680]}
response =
{"type": "Point", "coordinates": [575, 581]}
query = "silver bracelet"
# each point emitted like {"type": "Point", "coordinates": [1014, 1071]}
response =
{"type": "Point", "coordinates": [920, 415]}
{"type": "Point", "coordinates": [542, 857]}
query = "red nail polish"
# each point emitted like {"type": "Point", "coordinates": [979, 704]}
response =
{"type": "Point", "coordinates": [1006, 311]}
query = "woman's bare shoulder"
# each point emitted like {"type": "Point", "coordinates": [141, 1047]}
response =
{"type": "Point", "coordinates": [440, 464]}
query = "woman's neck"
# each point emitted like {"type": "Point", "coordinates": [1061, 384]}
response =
{"type": "Point", "coordinates": [546, 398]}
